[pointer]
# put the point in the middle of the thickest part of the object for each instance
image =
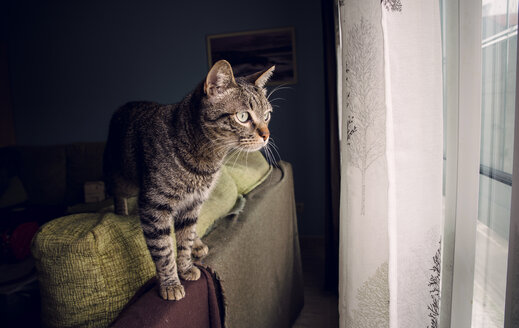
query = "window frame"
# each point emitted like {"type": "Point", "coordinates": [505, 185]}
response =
{"type": "Point", "coordinates": [462, 42]}
{"type": "Point", "coordinates": [462, 73]}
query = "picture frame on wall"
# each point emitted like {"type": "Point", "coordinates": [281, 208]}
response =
{"type": "Point", "coordinates": [253, 51]}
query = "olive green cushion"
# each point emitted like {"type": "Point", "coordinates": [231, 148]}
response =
{"type": "Point", "coordinates": [248, 170]}
{"type": "Point", "coordinates": [220, 202]}
{"type": "Point", "coordinates": [90, 265]}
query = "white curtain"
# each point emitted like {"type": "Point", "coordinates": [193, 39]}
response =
{"type": "Point", "coordinates": [392, 157]}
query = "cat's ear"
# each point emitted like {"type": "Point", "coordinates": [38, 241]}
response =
{"type": "Point", "coordinates": [261, 78]}
{"type": "Point", "coordinates": [219, 78]}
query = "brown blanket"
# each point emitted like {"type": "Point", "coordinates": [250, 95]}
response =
{"type": "Point", "coordinates": [200, 308]}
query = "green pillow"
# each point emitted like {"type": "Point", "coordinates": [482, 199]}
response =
{"type": "Point", "coordinates": [248, 170]}
{"type": "Point", "coordinates": [90, 265]}
{"type": "Point", "coordinates": [220, 202]}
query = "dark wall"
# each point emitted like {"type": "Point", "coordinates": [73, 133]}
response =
{"type": "Point", "coordinates": [72, 63]}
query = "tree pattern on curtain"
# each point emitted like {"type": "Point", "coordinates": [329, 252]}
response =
{"type": "Point", "coordinates": [391, 196]}
{"type": "Point", "coordinates": [373, 300]}
{"type": "Point", "coordinates": [393, 5]}
{"type": "Point", "coordinates": [434, 285]}
{"type": "Point", "coordinates": [365, 128]}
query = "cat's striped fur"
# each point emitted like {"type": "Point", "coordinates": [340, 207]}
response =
{"type": "Point", "coordinates": [170, 155]}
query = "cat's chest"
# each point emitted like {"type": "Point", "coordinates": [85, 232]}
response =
{"type": "Point", "coordinates": [196, 195]}
{"type": "Point", "coordinates": [200, 186]}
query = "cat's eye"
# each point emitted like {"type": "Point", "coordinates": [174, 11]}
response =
{"type": "Point", "coordinates": [266, 116]}
{"type": "Point", "coordinates": [242, 116]}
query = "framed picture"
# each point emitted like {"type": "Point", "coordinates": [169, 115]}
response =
{"type": "Point", "coordinates": [253, 51]}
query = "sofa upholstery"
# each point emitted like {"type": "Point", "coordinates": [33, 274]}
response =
{"type": "Point", "coordinates": [242, 242]}
{"type": "Point", "coordinates": [255, 256]}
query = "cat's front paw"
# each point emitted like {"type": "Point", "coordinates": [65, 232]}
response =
{"type": "Point", "coordinates": [200, 251]}
{"type": "Point", "coordinates": [172, 293]}
{"type": "Point", "coordinates": [192, 273]}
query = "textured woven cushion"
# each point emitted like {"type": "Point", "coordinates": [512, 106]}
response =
{"type": "Point", "coordinates": [90, 265]}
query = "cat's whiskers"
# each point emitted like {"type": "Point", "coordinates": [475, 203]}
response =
{"type": "Point", "coordinates": [232, 154]}
{"type": "Point", "coordinates": [236, 159]}
{"type": "Point", "coordinates": [250, 144]}
{"type": "Point", "coordinates": [278, 88]}
{"type": "Point", "coordinates": [221, 152]}
{"type": "Point", "coordinates": [274, 161]}
{"type": "Point", "coordinates": [231, 147]}
{"type": "Point", "coordinates": [271, 158]}
{"type": "Point", "coordinates": [267, 155]}
{"type": "Point", "coordinates": [246, 158]}
{"type": "Point", "coordinates": [222, 145]}
{"type": "Point", "coordinates": [219, 140]}
{"type": "Point", "coordinates": [275, 147]}
{"type": "Point", "coordinates": [276, 99]}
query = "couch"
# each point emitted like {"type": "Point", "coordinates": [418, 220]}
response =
{"type": "Point", "coordinates": [252, 273]}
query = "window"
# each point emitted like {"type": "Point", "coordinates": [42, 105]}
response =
{"type": "Point", "coordinates": [480, 55]}
{"type": "Point", "coordinates": [499, 51]}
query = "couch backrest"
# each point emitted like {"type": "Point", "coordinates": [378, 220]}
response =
{"type": "Point", "coordinates": [84, 163]}
{"type": "Point", "coordinates": [52, 174]}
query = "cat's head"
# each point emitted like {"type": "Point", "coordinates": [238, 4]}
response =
{"type": "Point", "coordinates": [236, 111]}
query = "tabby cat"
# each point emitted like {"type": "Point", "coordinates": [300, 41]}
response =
{"type": "Point", "coordinates": [170, 155]}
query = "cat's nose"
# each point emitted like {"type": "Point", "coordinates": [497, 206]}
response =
{"type": "Point", "coordinates": [264, 133]}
